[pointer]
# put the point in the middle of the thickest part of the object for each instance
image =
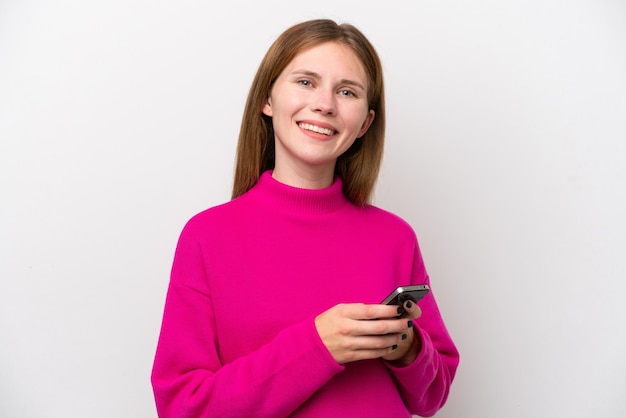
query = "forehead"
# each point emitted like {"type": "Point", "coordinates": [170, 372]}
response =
{"type": "Point", "coordinates": [330, 59]}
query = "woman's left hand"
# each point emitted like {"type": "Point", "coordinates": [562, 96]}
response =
{"type": "Point", "coordinates": [408, 349]}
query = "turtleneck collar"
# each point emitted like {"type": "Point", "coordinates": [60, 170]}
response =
{"type": "Point", "coordinates": [297, 200]}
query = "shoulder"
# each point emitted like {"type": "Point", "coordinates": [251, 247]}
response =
{"type": "Point", "coordinates": [390, 222]}
{"type": "Point", "coordinates": [215, 218]}
{"type": "Point", "coordinates": [389, 218]}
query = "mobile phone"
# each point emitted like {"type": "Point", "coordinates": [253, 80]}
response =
{"type": "Point", "coordinates": [403, 293]}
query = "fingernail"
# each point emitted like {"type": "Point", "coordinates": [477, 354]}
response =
{"type": "Point", "coordinates": [404, 336]}
{"type": "Point", "coordinates": [394, 347]}
{"type": "Point", "coordinates": [410, 324]}
{"type": "Point", "coordinates": [409, 304]}
{"type": "Point", "coordinates": [401, 310]}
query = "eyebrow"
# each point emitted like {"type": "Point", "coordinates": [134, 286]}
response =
{"type": "Point", "coordinates": [316, 75]}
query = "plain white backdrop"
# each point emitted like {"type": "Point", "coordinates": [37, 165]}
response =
{"type": "Point", "coordinates": [506, 151]}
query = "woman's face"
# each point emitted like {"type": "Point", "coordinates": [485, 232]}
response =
{"type": "Point", "coordinates": [318, 107]}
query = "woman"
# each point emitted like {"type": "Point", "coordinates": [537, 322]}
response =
{"type": "Point", "coordinates": [273, 307]}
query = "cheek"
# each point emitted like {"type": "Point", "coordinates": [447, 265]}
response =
{"type": "Point", "coordinates": [279, 108]}
{"type": "Point", "coordinates": [359, 119]}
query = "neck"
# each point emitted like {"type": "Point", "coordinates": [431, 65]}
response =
{"type": "Point", "coordinates": [314, 178]}
{"type": "Point", "coordinates": [297, 201]}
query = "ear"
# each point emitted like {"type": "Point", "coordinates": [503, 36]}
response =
{"type": "Point", "coordinates": [367, 123]}
{"type": "Point", "coordinates": [267, 108]}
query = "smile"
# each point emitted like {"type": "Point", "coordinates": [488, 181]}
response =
{"type": "Point", "coordinates": [317, 129]}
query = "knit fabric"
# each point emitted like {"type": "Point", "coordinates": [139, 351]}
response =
{"type": "Point", "coordinates": [238, 337]}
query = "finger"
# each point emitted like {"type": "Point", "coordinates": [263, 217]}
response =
{"type": "Point", "coordinates": [359, 311]}
{"type": "Point", "coordinates": [387, 342]}
{"type": "Point", "coordinates": [412, 310]}
{"type": "Point", "coordinates": [367, 354]}
{"type": "Point", "coordinates": [384, 327]}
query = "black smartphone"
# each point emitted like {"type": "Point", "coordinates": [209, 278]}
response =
{"type": "Point", "coordinates": [403, 293]}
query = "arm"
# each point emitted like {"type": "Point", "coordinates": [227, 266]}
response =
{"type": "Point", "coordinates": [189, 378]}
{"type": "Point", "coordinates": [425, 382]}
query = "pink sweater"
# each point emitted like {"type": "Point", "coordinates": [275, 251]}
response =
{"type": "Point", "coordinates": [238, 337]}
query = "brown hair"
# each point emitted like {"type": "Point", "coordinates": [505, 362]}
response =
{"type": "Point", "coordinates": [358, 167]}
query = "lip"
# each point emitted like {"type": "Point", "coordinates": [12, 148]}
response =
{"type": "Point", "coordinates": [319, 125]}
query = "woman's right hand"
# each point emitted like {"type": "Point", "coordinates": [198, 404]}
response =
{"type": "Point", "coordinates": [360, 331]}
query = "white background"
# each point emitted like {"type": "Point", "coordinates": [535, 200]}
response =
{"type": "Point", "coordinates": [506, 150]}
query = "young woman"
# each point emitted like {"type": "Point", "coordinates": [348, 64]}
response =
{"type": "Point", "coordinates": [273, 307]}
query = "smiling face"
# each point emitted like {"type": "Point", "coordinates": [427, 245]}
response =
{"type": "Point", "coordinates": [318, 106]}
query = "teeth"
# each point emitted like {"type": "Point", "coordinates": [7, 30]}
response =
{"type": "Point", "coordinates": [317, 129]}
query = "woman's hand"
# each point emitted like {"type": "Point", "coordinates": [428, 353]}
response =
{"type": "Point", "coordinates": [409, 348]}
{"type": "Point", "coordinates": [358, 331]}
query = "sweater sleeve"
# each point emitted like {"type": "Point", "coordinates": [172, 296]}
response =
{"type": "Point", "coordinates": [425, 384]}
{"type": "Point", "coordinates": [190, 380]}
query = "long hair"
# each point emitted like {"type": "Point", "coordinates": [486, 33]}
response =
{"type": "Point", "coordinates": [358, 166]}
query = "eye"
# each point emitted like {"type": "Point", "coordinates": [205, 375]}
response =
{"type": "Point", "coordinates": [347, 93]}
{"type": "Point", "coordinates": [305, 83]}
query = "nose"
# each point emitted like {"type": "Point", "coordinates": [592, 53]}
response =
{"type": "Point", "coordinates": [325, 102]}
